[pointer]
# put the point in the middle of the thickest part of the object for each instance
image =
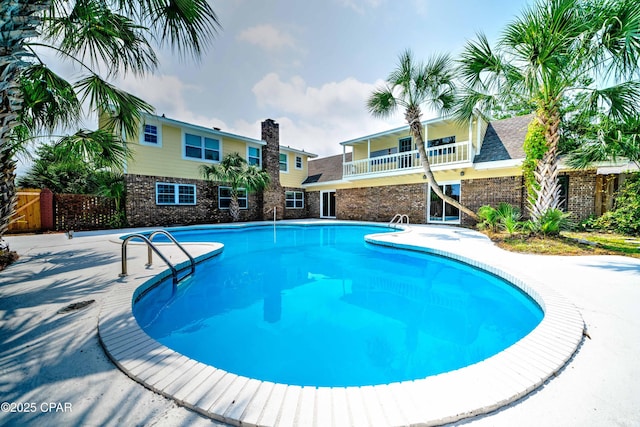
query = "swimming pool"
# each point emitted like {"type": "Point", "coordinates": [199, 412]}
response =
{"type": "Point", "coordinates": [320, 307]}
{"type": "Point", "coordinates": [437, 399]}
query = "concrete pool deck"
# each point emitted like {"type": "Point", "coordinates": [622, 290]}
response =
{"type": "Point", "coordinates": [48, 357]}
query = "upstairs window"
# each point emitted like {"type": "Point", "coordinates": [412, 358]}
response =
{"type": "Point", "coordinates": [294, 199]}
{"type": "Point", "coordinates": [298, 162]}
{"type": "Point", "coordinates": [203, 148]}
{"type": "Point", "coordinates": [441, 143]}
{"type": "Point", "coordinates": [284, 163]}
{"type": "Point", "coordinates": [175, 194]}
{"type": "Point", "coordinates": [253, 156]}
{"type": "Point", "coordinates": [151, 135]}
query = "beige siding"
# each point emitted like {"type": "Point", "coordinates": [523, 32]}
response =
{"type": "Point", "coordinates": [167, 159]}
{"type": "Point", "coordinates": [294, 177]}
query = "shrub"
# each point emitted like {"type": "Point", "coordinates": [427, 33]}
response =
{"type": "Point", "coordinates": [625, 217]}
{"type": "Point", "coordinates": [488, 218]}
{"type": "Point", "coordinates": [551, 222]}
{"type": "Point", "coordinates": [505, 217]}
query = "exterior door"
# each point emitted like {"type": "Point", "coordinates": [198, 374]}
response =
{"type": "Point", "coordinates": [328, 204]}
{"type": "Point", "coordinates": [404, 145]}
{"type": "Point", "coordinates": [439, 210]}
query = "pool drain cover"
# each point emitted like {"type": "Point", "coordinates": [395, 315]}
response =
{"type": "Point", "coordinates": [75, 306]}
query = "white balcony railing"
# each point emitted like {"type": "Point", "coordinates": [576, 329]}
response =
{"type": "Point", "coordinates": [449, 154]}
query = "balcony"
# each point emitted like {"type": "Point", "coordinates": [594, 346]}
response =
{"type": "Point", "coordinates": [409, 161]}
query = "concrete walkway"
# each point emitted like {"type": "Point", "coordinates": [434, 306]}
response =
{"type": "Point", "coordinates": [53, 370]}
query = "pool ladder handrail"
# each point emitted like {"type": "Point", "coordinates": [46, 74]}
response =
{"type": "Point", "coordinates": [153, 248]}
{"type": "Point", "coordinates": [399, 219]}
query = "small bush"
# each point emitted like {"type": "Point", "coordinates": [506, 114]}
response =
{"type": "Point", "coordinates": [505, 217]}
{"type": "Point", "coordinates": [551, 222]}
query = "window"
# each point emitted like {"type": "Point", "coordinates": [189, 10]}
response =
{"type": "Point", "coordinates": [298, 162]}
{"type": "Point", "coordinates": [151, 135]}
{"type": "Point", "coordinates": [563, 180]}
{"type": "Point", "coordinates": [384, 152]}
{"type": "Point", "coordinates": [253, 156]}
{"type": "Point", "coordinates": [224, 198]}
{"type": "Point", "coordinates": [380, 153]}
{"type": "Point", "coordinates": [294, 199]}
{"type": "Point", "coordinates": [440, 142]}
{"type": "Point", "coordinates": [203, 148]}
{"type": "Point", "coordinates": [284, 163]}
{"type": "Point", "coordinates": [175, 194]}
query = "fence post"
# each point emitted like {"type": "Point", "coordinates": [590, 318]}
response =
{"type": "Point", "coordinates": [46, 210]}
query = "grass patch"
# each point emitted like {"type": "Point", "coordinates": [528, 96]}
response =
{"type": "Point", "coordinates": [570, 243]}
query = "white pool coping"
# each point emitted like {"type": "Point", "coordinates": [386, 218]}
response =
{"type": "Point", "coordinates": [439, 399]}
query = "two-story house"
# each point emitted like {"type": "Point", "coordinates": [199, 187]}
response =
{"type": "Point", "coordinates": [376, 176]}
{"type": "Point", "coordinates": [165, 186]}
{"type": "Point", "coordinates": [477, 163]}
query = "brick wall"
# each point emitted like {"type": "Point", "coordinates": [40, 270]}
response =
{"type": "Point", "coordinates": [295, 213]}
{"type": "Point", "coordinates": [581, 201]}
{"type": "Point", "coordinates": [142, 210]}
{"type": "Point", "coordinates": [492, 191]}
{"type": "Point", "coordinates": [382, 203]}
{"type": "Point", "coordinates": [312, 204]}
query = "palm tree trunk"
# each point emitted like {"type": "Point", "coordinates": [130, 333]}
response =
{"type": "Point", "coordinates": [18, 22]}
{"type": "Point", "coordinates": [234, 208]}
{"type": "Point", "coordinates": [412, 116]}
{"type": "Point", "coordinates": [546, 172]}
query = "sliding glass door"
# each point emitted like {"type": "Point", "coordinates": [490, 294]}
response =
{"type": "Point", "coordinates": [328, 204]}
{"type": "Point", "coordinates": [440, 211]}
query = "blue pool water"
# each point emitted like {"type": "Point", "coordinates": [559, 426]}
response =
{"type": "Point", "coordinates": [316, 305]}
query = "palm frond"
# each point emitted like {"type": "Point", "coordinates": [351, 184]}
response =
{"type": "Point", "coordinates": [124, 108]}
{"type": "Point", "coordinates": [92, 31]}
{"type": "Point", "coordinates": [100, 147]}
{"type": "Point", "coordinates": [619, 39]}
{"type": "Point", "coordinates": [49, 100]}
{"type": "Point", "coordinates": [381, 103]}
{"type": "Point", "coordinates": [187, 26]}
{"type": "Point", "coordinates": [620, 101]}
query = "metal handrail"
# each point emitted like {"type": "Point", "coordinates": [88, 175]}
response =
{"type": "Point", "coordinates": [152, 248]}
{"type": "Point", "coordinates": [399, 219]}
{"type": "Point", "coordinates": [174, 272]}
{"type": "Point", "coordinates": [167, 234]}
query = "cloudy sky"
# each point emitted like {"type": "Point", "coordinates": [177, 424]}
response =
{"type": "Point", "coordinates": [310, 65]}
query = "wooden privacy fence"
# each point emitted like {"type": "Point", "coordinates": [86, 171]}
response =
{"type": "Point", "coordinates": [41, 210]}
{"type": "Point", "coordinates": [27, 216]}
{"type": "Point", "coordinates": [83, 212]}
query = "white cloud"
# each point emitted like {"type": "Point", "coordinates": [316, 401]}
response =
{"type": "Point", "coordinates": [318, 118]}
{"type": "Point", "coordinates": [360, 5]}
{"type": "Point", "coordinates": [347, 97]}
{"type": "Point", "coordinates": [267, 37]}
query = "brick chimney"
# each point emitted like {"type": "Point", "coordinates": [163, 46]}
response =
{"type": "Point", "coordinates": [274, 194]}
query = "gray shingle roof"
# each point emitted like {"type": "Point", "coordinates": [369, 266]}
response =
{"type": "Point", "coordinates": [504, 139]}
{"type": "Point", "coordinates": [326, 169]}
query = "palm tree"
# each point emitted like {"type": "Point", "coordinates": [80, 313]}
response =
{"type": "Point", "coordinates": [410, 86]}
{"type": "Point", "coordinates": [607, 140]}
{"type": "Point", "coordinates": [235, 172]}
{"type": "Point", "coordinates": [558, 50]}
{"type": "Point", "coordinates": [103, 37]}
